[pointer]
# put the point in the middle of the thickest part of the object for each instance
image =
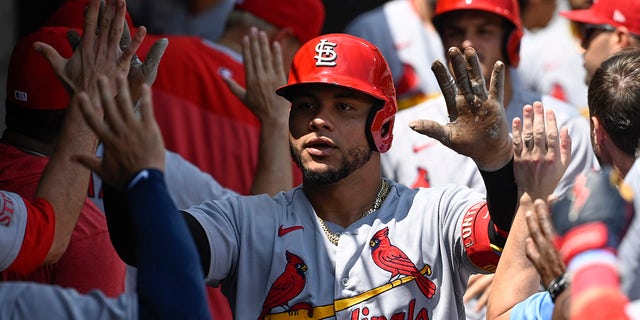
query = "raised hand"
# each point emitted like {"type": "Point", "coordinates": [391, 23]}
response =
{"type": "Point", "coordinates": [539, 246]}
{"type": "Point", "coordinates": [264, 73]}
{"type": "Point", "coordinates": [143, 71]}
{"type": "Point", "coordinates": [478, 126]}
{"type": "Point", "coordinates": [98, 51]}
{"type": "Point", "coordinates": [131, 143]}
{"type": "Point", "coordinates": [541, 152]}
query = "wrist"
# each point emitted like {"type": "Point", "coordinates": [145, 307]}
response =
{"type": "Point", "coordinates": [496, 161]}
{"type": "Point", "coordinates": [143, 175]}
{"type": "Point", "coordinates": [558, 286]}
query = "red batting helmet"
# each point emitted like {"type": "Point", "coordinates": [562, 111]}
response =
{"type": "Point", "coordinates": [351, 62]}
{"type": "Point", "coordinates": [508, 9]}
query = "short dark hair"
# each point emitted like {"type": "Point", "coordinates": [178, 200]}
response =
{"type": "Point", "coordinates": [614, 98]}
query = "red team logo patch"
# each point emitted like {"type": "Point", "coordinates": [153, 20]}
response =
{"type": "Point", "coordinates": [7, 208]}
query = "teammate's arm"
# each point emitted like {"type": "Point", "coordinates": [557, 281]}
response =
{"type": "Point", "coordinates": [542, 154]}
{"type": "Point", "coordinates": [264, 73]}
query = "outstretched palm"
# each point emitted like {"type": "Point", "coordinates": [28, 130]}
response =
{"type": "Point", "coordinates": [478, 126]}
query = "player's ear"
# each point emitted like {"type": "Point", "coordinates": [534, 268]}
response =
{"type": "Point", "coordinates": [597, 131]}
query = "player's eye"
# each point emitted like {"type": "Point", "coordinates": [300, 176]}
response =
{"type": "Point", "coordinates": [344, 107]}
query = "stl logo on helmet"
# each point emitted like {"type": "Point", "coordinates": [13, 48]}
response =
{"type": "Point", "coordinates": [325, 54]}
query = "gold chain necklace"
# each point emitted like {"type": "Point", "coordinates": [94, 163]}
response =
{"type": "Point", "coordinates": [380, 197]}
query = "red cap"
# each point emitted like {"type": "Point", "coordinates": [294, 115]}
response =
{"type": "Point", "coordinates": [31, 81]}
{"type": "Point", "coordinates": [617, 13]}
{"type": "Point", "coordinates": [71, 14]}
{"type": "Point", "coordinates": [304, 17]}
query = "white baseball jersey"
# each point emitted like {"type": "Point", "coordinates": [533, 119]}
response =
{"type": "Point", "coordinates": [13, 223]}
{"type": "Point", "coordinates": [417, 160]}
{"type": "Point", "coordinates": [408, 47]}
{"type": "Point", "coordinates": [260, 245]}
{"type": "Point", "coordinates": [552, 62]}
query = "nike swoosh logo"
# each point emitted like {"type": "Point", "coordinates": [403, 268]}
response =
{"type": "Point", "coordinates": [418, 148]}
{"type": "Point", "coordinates": [282, 231]}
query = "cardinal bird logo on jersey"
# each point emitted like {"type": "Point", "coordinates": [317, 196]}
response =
{"type": "Point", "coordinates": [287, 286]}
{"type": "Point", "coordinates": [390, 258]}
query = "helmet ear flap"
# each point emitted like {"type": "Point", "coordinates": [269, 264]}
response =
{"type": "Point", "coordinates": [379, 127]}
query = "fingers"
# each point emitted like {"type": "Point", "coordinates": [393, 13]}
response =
{"type": "Point", "coordinates": [539, 130]}
{"type": "Point", "coordinates": [448, 88]}
{"type": "Point", "coordinates": [51, 54]}
{"type": "Point", "coordinates": [459, 65]}
{"type": "Point", "coordinates": [111, 113]}
{"type": "Point", "coordinates": [107, 13]}
{"type": "Point", "coordinates": [129, 52]}
{"type": "Point", "coordinates": [123, 99]}
{"type": "Point", "coordinates": [516, 135]}
{"type": "Point", "coordinates": [264, 51]}
{"type": "Point", "coordinates": [91, 21]}
{"type": "Point", "coordinates": [91, 116]}
{"type": "Point", "coordinates": [235, 88]}
{"type": "Point", "coordinates": [476, 78]}
{"type": "Point", "coordinates": [496, 86]}
{"type": "Point", "coordinates": [278, 64]}
{"type": "Point", "coordinates": [117, 22]}
{"type": "Point", "coordinates": [432, 129]}
{"type": "Point", "coordinates": [91, 162]}
{"type": "Point", "coordinates": [565, 147]}
{"type": "Point", "coordinates": [125, 38]}
{"type": "Point", "coordinates": [527, 126]}
{"type": "Point", "coordinates": [73, 37]}
{"type": "Point", "coordinates": [146, 106]}
{"type": "Point", "coordinates": [152, 62]}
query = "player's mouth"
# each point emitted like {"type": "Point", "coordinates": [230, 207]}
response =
{"type": "Point", "coordinates": [319, 147]}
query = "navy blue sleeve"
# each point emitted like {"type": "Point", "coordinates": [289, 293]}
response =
{"type": "Point", "coordinates": [170, 284]}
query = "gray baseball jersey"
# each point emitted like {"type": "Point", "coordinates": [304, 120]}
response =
{"type": "Point", "coordinates": [261, 246]}
{"type": "Point", "coordinates": [419, 161]}
{"type": "Point", "coordinates": [28, 300]}
{"type": "Point", "coordinates": [186, 183]}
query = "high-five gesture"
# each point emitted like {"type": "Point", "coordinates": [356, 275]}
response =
{"type": "Point", "coordinates": [131, 143]}
{"type": "Point", "coordinates": [99, 50]}
{"type": "Point", "coordinates": [542, 152]}
{"type": "Point", "coordinates": [478, 127]}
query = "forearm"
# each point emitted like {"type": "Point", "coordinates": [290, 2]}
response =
{"type": "Point", "coordinates": [119, 224]}
{"type": "Point", "coordinates": [502, 195]}
{"type": "Point", "coordinates": [123, 235]}
{"type": "Point", "coordinates": [274, 171]}
{"type": "Point", "coordinates": [64, 182]}
{"type": "Point", "coordinates": [163, 247]}
{"type": "Point", "coordinates": [514, 268]}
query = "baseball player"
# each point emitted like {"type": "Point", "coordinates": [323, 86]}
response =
{"type": "Point", "coordinates": [164, 248]}
{"type": "Point", "coordinates": [403, 31]}
{"type": "Point", "coordinates": [613, 108]}
{"type": "Point", "coordinates": [494, 29]}
{"type": "Point", "coordinates": [338, 246]}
